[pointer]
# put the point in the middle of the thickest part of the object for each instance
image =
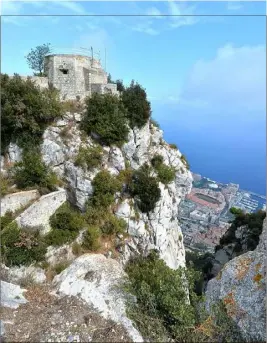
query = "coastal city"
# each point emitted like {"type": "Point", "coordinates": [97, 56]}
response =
{"type": "Point", "coordinates": [204, 214]}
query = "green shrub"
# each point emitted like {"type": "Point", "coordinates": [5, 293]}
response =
{"type": "Point", "coordinates": [76, 249]}
{"type": "Point", "coordinates": [60, 237]}
{"type": "Point", "coordinates": [72, 106]}
{"type": "Point", "coordinates": [32, 172]}
{"type": "Point", "coordinates": [252, 223]}
{"type": "Point", "coordinates": [26, 110]}
{"type": "Point", "coordinates": [6, 219]}
{"type": "Point", "coordinates": [135, 101]}
{"type": "Point", "coordinates": [105, 186]}
{"type": "Point", "coordinates": [145, 188]}
{"type": "Point", "coordinates": [66, 218]}
{"type": "Point", "coordinates": [65, 223]}
{"type": "Point", "coordinates": [95, 215]}
{"type": "Point", "coordinates": [154, 123]}
{"type": "Point", "coordinates": [185, 162]}
{"type": "Point", "coordinates": [59, 267]}
{"type": "Point", "coordinates": [156, 161]}
{"type": "Point", "coordinates": [161, 295]}
{"type": "Point", "coordinates": [166, 174]}
{"type": "Point", "coordinates": [89, 158]}
{"type": "Point", "coordinates": [106, 117]}
{"type": "Point", "coordinates": [21, 248]}
{"type": "Point", "coordinates": [173, 146]}
{"type": "Point", "coordinates": [125, 177]}
{"type": "Point", "coordinates": [91, 238]}
{"type": "Point", "coordinates": [114, 225]}
{"type": "Point", "coordinates": [4, 185]}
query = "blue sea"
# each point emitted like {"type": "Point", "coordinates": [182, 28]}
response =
{"type": "Point", "coordinates": [224, 149]}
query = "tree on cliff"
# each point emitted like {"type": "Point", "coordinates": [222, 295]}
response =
{"type": "Point", "coordinates": [35, 58]}
{"type": "Point", "coordinates": [138, 108]}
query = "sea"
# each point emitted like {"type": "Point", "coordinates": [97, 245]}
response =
{"type": "Point", "coordinates": [226, 151]}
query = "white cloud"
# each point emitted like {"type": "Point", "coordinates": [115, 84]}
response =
{"type": "Point", "coordinates": [73, 6]}
{"type": "Point", "coordinates": [155, 12]}
{"type": "Point", "coordinates": [10, 7]}
{"type": "Point", "coordinates": [183, 15]}
{"type": "Point", "coordinates": [234, 81]}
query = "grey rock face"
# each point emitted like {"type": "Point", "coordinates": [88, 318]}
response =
{"type": "Point", "coordinates": [14, 153]}
{"type": "Point", "coordinates": [160, 229]}
{"type": "Point", "coordinates": [36, 217]}
{"type": "Point", "coordinates": [95, 279]}
{"type": "Point", "coordinates": [242, 288]}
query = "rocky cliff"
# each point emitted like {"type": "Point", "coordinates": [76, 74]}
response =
{"type": "Point", "coordinates": [241, 286]}
{"type": "Point", "coordinates": [93, 278]}
{"type": "Point", "coordinates": [157, 230]}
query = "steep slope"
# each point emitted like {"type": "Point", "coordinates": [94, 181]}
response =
{"type": "Point", "coordinates": [159, 229]}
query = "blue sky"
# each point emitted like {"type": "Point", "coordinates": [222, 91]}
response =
{"type": "Point", "coordinates": [204, 75]}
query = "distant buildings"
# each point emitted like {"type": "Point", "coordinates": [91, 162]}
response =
{"type": "Point", "coordinates": [204, 215]}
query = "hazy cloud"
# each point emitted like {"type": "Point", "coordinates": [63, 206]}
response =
{"type": "Point", "coordinates": [234, 81]}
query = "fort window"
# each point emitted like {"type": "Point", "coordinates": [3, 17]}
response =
{"type": "Point", "coordinates": [64, 71]}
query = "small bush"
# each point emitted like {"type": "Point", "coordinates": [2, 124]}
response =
{"type": "Point", "coordinates": [59, 267]}
{"type": "Point", "coordinates": [4, 185]}
{"type": "Point", "coordinates": [105, 186]}
{"type": "Point", "coordinates": [145, 188]}
{"type": "Point", "coordinates": [60, 237]}
{"type": "Point", "coordinates": [66, 223]}
{"type": "Point", "coordinates": [173, 146]}
{"type": "Point", "coordinates": [154, 123]}
{"type": "Point", "coordinates": [166, 174]}
{"type": "Point", "coordinates": [32, 172]}
{"type": "Point", "coordinates": [114, 225]}
{"type": "Point", "coordinates": [106, 117]}
{"type": "Point", "coordinates": [185, 162]}
{"type": "Point", "coordinates": [21, 248]}
{"type": "Point", "coordinates": [125, 177]}
{"type": "Point", "coordinates": [161, 295]}
{"type": "Point", "coordinates": [138, 108]}
{"type": "Point", "coordinates": [76, 249]}
{"type": "Point", "coordinates": [66, 218]}
{"type": "Point", "coordinates": [156, 161]}
{"type": "Point", "coordinates": [91, 238]}
{"type": "Point", "coordinates": [89, 158]}
{"type": "Point", "coordinates": [6, 219]}
{"type": "Point", "coordinates": [26, 111]}
{"type": "Point", "coordinates": [72, 106]}
{"type": "Point", "coordinates": [65, 134]}
{"type": "Point", "coordinates": [95, 215]}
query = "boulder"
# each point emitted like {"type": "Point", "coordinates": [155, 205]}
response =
{"type": "Point", "coordinates": [36, 217]}
{"type": "Point", "coordinates": [96, 280]}
{"type": "Point", "coordinates": [241, 287]}
{"type": "Point", "coordinates": [11, 295]}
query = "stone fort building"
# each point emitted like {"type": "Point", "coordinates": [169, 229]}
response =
{"type": "Point", "coordinates": [75, 76]}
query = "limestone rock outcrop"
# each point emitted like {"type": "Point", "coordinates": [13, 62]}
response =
{"type": "Point", "coordinates": [36, 217]}
{"type": "Point", "coordinates": [96, 280]}
{"type": "Point", "coordinates": [241, 286]}
{"type": "Point", "coordinates": [159, 229]}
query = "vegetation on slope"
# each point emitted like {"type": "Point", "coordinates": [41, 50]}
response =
{"type": "Point", "coordinates": [145, 189]}
{"type": "Point", "coordinates": [106, 118]}
{"type": "Point", "coordinates": [253, 228]}
{"type": "Point", "coordinates": [26, 110]}
{"type": "Point", "coordinates": [167, 307]}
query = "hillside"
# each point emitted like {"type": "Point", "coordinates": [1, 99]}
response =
{"type": "Point", "coordinates": [90, 196]}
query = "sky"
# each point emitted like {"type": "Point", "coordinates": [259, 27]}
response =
{"type": "Point", "coordinates": [203, 65]}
